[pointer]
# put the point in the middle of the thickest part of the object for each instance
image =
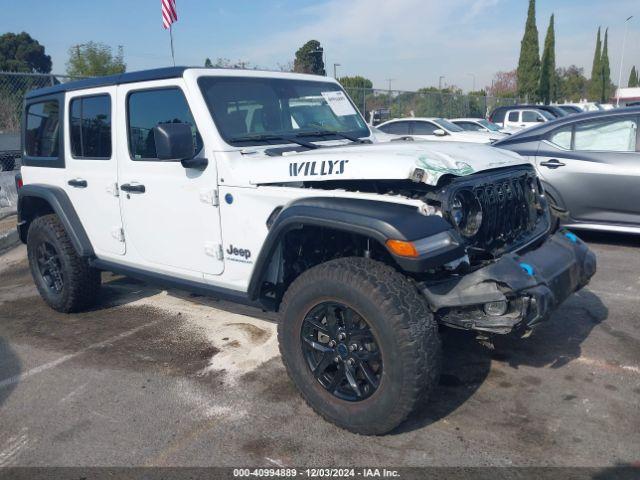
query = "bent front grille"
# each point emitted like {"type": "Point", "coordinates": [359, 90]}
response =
{"type": "Point", "coordinates": [511, 209]}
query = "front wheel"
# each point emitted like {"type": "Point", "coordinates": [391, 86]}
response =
{"type": "Point", "coordinates": [360, 343]}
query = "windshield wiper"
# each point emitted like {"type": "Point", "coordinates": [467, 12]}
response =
{"type": "Point", "coordinates": [267, 137]}
{"type": "Point", "coordinates": [324, 133]}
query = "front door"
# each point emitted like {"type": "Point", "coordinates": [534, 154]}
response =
{"type": "Point", "coordinates": [595, 166]}
{"type": "Point", "coordinates": [170, 213]}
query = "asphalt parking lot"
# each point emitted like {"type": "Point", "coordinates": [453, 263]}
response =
{"type": "Point", "coordinates": [153, 378]}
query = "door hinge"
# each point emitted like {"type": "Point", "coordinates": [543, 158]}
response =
{"type": "Point", "coordinates": [118, 234]}
{"type": "Point", "coordinates": [214, 250]}
{"type": "Point", "coordinates": [112, 189]}
{"type": "Point", "coordinates": [210, 197]}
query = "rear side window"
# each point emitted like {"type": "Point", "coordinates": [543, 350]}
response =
{"type": "Point", "coordinates": [396, 128]}
{"type": "Point", "coordinates": [42, 132]}
{"type": "Point", "coordinates": [90, 122]}
{"type": "Point", "coordinates": [616, 135]}
{"type": "Point", "coordinates": [513, 116]}
{"type": "Point", "coordinates": [148, 108]}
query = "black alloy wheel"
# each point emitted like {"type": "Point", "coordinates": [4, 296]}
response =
{"type": "Point", "coordinates": [341, 351]}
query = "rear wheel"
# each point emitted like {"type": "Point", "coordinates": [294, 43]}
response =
{"type": "Point", "coordinates": [65, 280]}
{"type": "Point", "coordinates": [360, 343]}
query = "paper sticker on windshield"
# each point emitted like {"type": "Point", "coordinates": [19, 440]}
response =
{"type": "Point", "coordinates": [339, 103]}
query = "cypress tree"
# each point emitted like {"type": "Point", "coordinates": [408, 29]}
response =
{"type": "Point", "coordinates": [606, 70]}
{"type": "Point", "coordinates": [548, 81]}
{"type": "Point", "coordinates": [529, 62]}
{"type": "Point", "coordinates": [633, 78]}
{"type": "Point", "coordinates": [595, 86]}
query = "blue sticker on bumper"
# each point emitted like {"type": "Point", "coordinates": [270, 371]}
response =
{"type": "Point", "coordinates": [571, 236]}
{"type": "Point", "coordinates": [527, 268]}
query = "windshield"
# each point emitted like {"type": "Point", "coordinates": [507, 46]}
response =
{"type": "Point", "coordinates": [263, 111]}
{"type": "Point", "coordinates": [447, 125]}
{"type": "Point", "coordinates": [490, 125]}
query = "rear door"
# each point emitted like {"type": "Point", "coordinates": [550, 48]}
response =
{"type": "Point", "coordinates": [595, 167]}
{"type": "Point", "coordinates": [171, 214]}
{"type": "Point", "coordinates": [91, 167]}
{"type": "Point", "coordinates": [512, 119]}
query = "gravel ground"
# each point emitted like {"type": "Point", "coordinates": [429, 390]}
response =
{"type": "Point", "coordinates": [154, 378]}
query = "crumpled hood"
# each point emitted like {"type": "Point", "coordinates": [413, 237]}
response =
{"type": "Point", "coordinates": [377, 161]}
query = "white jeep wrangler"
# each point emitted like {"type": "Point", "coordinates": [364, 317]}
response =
{"type": "Point", "coordinates": [267, 189]}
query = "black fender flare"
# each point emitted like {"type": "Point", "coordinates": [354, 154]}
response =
{"type": "Point", "coordinates": [378, 220]}
{"type": "Point", "coordinates": [59, 202]}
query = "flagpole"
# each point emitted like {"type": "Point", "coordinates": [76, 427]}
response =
{"type": "Point", "coordinates": [173, 57]}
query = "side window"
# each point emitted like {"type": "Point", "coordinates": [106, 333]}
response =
{"type": "Point", "coordinates": [470, 127]}
{"type": "Point", "coordinates": [529, 116]}
{"type": "Point", "coordinates": [148, 108]}
{"type": "Point", "coordinates": [562, 137]}
{"type": "Point", "coordinates": [396, 128]}
{"type": "Point", "coordinates": [42, 131]}
{"type": "Point", "coordinates": [498, 116]}
{"type": "Point", "coordinates": [514, 116]}
{"type": "Point", "coordinates": [90, 127]}
{"type": "Point", "coordinates": [615, 135]}
{"type": "Point", "coordinates": [423, 128]}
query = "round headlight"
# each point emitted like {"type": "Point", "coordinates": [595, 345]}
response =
{"type": "Point", "coordinates": [466, 213]}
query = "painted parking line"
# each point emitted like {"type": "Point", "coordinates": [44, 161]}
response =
{"type": "Point", "coordinates": [65, 358]}
{"type": "Point", "coordinates": [607, 366]}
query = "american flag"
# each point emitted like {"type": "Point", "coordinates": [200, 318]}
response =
{"type": "Point", "coordinates": [169, 12]}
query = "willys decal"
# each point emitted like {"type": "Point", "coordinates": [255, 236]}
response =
{"type": "Point", "coordinates": [317, 168]}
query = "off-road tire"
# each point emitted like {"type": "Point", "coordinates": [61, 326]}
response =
{"type": "Point", "coordinates": [404, 329]}
{"type": "Point", "coordinates": [81, 283]}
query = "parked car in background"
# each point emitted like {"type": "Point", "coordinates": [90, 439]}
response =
{"type": "Point", "coordinates": [381, 137]}
{"type": "Point", "coordinates": [434, 129]}
{"type": "Point", "coordinates": [482, 125]}
{"type": "Point", "coordinates": [570, 109]}
{"type": "Point", "coordinates": [9, 151]}
{"type": "Point", "coordinates": [525, 118]}
{"type": "Point", "coordinates": [589, 165]}
{"type": "Point", "coordinates": [499, 114]}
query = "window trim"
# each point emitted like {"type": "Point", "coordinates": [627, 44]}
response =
{"type": "Point", "coordinates": [82, 97]}
{"type": "Point", "coordinates": [50, 162]}
{"type": "Point", "coordinates": [128, 124]}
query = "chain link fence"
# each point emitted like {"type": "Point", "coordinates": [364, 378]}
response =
{"type": "Point", "coordinates": [13, 87]}
{"type": "Point", "coordinates": [380, 105]}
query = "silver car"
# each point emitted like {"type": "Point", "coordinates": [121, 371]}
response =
{"type": "Point", "coordinates": [589, 165]}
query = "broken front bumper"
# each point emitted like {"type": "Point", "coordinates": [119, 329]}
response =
{"type": "Point", "coordinates": [517, 291]}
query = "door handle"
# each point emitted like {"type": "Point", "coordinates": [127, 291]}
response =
{"type": "Point", "coordinates": [132, 188]}
{"type": "Point", "coordinates": [552, 164]}
{"type": "Point", "coordinates": [77, 183]}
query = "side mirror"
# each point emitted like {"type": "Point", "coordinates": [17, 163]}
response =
{"type": "Point", "coordinates": [439, 133]}
{"type": "Point", "coordinates": [174, 143]}
{"type": "Point", "coordinates": [540, 120]}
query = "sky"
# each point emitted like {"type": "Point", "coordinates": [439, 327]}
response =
{"type": "Point", "coordinates": [412, 42]}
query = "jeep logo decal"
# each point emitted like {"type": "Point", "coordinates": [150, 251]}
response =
{"type": "Point", "coordinates": [239, 252]}
{"type": "Point", "coordinates": [317, 168]}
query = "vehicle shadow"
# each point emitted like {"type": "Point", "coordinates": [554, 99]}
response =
{"type": "Point", "coordinates": [10, 368]}
{"type": "Point", "coordinates": [467, 364]}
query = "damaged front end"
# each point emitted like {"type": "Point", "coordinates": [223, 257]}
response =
{"type": "Point", "coordinates": [516, 292]}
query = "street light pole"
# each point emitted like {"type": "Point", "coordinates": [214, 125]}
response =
{"type": "Point", "coordinates": [624, 42]}
{"type": "Point", "coordinates": [474, 81]}
{"type": "Point", "coordinates": [335, 70]}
